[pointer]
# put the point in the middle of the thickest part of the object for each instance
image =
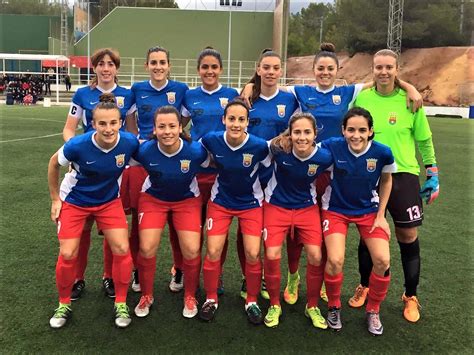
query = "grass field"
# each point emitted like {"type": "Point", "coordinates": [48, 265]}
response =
{"type": "Point", "coordinates": [28, 137]}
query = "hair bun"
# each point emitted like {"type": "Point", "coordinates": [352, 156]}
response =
{"type": "Point", "coordinates": [266, 50]}
{"type": "Point", "coordinates": [208, 47]}
{"type": "Point", "coordinates": [107, 97]}
{"type": "Point", "coordinates": [327, 47]}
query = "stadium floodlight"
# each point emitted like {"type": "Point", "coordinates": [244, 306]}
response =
{"type": "Point", "coordinates": [228, 2]}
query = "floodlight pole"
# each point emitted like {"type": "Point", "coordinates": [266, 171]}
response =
{"type": "Point", "coordinates": [230, 42]}
{"type": "Point", "coordinates": [88, 40]}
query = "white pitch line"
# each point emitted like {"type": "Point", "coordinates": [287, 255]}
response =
{"type": "Point", "coordinates": [31, 138]}
{"type": "Point", "coordinates": [35, 119]}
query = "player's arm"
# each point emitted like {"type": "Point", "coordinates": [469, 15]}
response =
{"type": "Point", "coordinates": [385, 188]}
{"type": "Point", "coordinates": [53, 184]}
{"type": "Point", "coordinates": [131, 123]}
{"type": "Point", "coordinates": [414, 98]}
{"type": "Point", "coordinates": [70, 127]}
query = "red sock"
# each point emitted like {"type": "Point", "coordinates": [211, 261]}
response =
{"type": "Point", "coordinates": [333, 288]}
{"type": "Point", "coordinates": [378, 288]}
{"type": "Point", "coordinates": [293, 248]}
{"type": "Point", "coordinates": [314, 280]}
{"type": "Point", "coordinates": [108, 259]}
{"type": "Point", "coordinates": [146, 270]}
{"type": "Point", "coordinates": [175, 248]}
{"type": "Point", "coordinates": [241, 250]}
{"type": "Point", "coordinates": [84, 246]}
{"type": "Point", "coordinates": [65, 274]}
{"type": "Point", "coordinates": [253, 274]}
{"type": "Point", "coordinates": [211, 271]}
{"type": "Point", "coordinates": [134, 241]}
{"type": "Point", "coordinates": [224, 252]}
{"type": "Point", "coordinates": [191, 269]}
{"type": "Point", "coordinates": [121, 270]}
{"type": "Point", "coordinates": [273, 280]}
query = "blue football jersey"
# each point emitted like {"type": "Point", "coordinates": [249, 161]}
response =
{"type": "Point", "coordinates": [328, 107]}
{"type": "Point", "coordinates": [172, 177]}
{"type": "Point", "coordinates": [96, 172]}
{"type": "Point", "coordinates": [292, 184]}
{"type": "Point", "coordinates": [86, 99]}
{"type": "Point", "coordinates": [147, 99]}
{"type": "Point", "coordinates": [206, 108]}
{"type": "Point", "coordinates": [236, 186]}
{"type": "Point", "coordinates": [355, 177]}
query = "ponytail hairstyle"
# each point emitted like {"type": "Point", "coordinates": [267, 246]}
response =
{"type": "Point", "coordinates": [171, 109]}
{"type": "Point", "coordinates": [390, 53]}
{"type": "Point", "coordinates": [282, 142]}
{"type": "Point", "coordinates": [326, 50]}
{"type": "Point", "coordinates": [98, 56]}
{"type": "Point", "coordinates": [256, 80]}
{"type": "Point", "coordinates": [106, 102]}
{"type": "Point", "coordinates": [209, 51]}
{"type": "Point", "coordinates": [359, 111]}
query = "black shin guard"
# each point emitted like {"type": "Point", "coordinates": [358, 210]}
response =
{"type": "Point", "coordinates": [411, 262]}
{"type": "Point", "coordinates": [365, 264]}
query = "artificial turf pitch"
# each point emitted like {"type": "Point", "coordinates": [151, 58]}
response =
{"type": "Point", "coordinates": [29, 249]}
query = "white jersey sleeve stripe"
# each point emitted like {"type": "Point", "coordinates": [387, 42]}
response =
{"type": "Point", "coordinates": [62, 160]}
{"type": "Point", "coordinates": [392, 168]}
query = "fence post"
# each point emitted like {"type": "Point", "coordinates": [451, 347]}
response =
{"type": "Point", "coordinates": [132, 77]}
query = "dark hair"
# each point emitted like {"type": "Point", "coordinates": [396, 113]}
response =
{"type": "Point", "coordinates": [106, 102]}
{"type": "Point", "coordinates": [359, 111]}
{"type": "Point", "coordinates": [168, 109]}
{"type": "Point", "coordinates": [326, 50]}
{"type": "Point", "coordinates": [236, 102]}
{"type": "Point", "coordinates": [256, 80]}
{"type": "Point", "coordinates": [282, 142]}
{"type": "Point", "coordinates": [98, 55]}
{"type": "Point", "coordinates": [209, 51]}
{"type": "Point", "coordinates": [157, 49]}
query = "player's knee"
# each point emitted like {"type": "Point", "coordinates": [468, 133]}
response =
{"type": "Point", "coordinates": [214, 254]}
{"type": "Point", "coordinates": [252, 256]}
{"type": "Point", "coordinates": [147, 251]}
{"type": "Point", "coordinates": [119, 248]}
{"type": "Point", "coordinates": [335, 263]}
{"type": "Point", "coordinates": [273, 254]}
{"type": "Point", "coordinates": [69, 253]}
{"type": "Point", "coordinates": [314, 258]}
{"type": "Point", "coordinates": [191, 253]}
{"type": "Point", "coordinates": [406, 235]}
{"type": "Point", "coordinates": [381, 264]}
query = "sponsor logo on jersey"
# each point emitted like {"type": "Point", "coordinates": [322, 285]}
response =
{"type": "Point", "coordinates": [171, 97]}
{"type": "Point", "coordinates": [185, 164]}
{"type": "Point", "coordinates": [281, 110]}
{"type": "Point", "coordinates": [392, 118]}
{"type": "Point", "coordinates": [224, 101]}
{"type": "Point", "coordinates": [120, 101]}
{"type": "Point", "coordinates": [312, 169]}
{"type": "Point", "coordinates": [336, 99]}
{"type": "Point", "coordinates": [371, 165]}
{"type": "Point", "coordinates": [120, 160]}
{"type": "Point", "coordinates": [247, 160]}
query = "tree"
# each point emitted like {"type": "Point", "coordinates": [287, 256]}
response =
{"type": "Point", "coordinates": [29, 7]}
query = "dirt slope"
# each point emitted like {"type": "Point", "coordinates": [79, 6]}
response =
{"type": "Point", "coordinates": [444, 75]}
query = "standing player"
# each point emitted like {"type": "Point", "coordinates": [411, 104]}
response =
{"type": "Point", "coordinates": [105, 63]}
{"type": "Point", "coordinates": [291, 207]}
{"type": "Point", "coordinates": [235, 193]}
{"type": "Point", "coordinates": [204, 106]}
{"type": "Point", "coordinates": [147, 97]}
{"type": "Point", "coordinates": [359, 189]}
{"type": "Point", "coordinates": [91, 189]}
{"type": "Point", "coordinates": [171, 188]}
{"type": "Point", "coordinates": [403, 131]}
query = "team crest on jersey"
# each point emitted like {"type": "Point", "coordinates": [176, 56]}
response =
{"type": "Point", "coordinates": [281, 110]}
{"type": "Point", "coordinates": [247, 160]}
{"type": "Point", "coordinates": [336, 99]}
{"type": "Point", "coordinates": [185, 164]}
{"type": "Point", "coordinates": [371, 165]}
{"type": "Point", "coordinates": [224, 101]}
{"type": "Point", "coordinates": [312, 169]}
{"type": "Point", "coordinates": [120, 101]}
{"type": "Point", "coordinates": [120, 160]}
{"type": "Point", "coordinates": [392, 118]}
{"type": "Point", "coordinates": [171, 97]}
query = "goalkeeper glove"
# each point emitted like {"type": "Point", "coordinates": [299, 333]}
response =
{"type": "Point", "coordinates": [430, 189]}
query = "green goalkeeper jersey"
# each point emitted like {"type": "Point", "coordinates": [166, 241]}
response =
{"type": "Point", "coordinates": [396, 126]}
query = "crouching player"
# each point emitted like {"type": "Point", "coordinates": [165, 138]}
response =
{"type": "Point", "coordinates": [91, 189]}
{"type": "Point", "coordinates": [360, 186]}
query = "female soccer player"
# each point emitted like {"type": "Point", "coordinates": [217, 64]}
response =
{"type": "Point", "coordinates": [235, 193]}
{"type": "Point", "coordinates": [403, 131]}
{"type": "Point", "coordinates": [147, 97]}
{"type": "Point", "coordinates": [360, 186]}
{"type": "Point", "coordinates": [291, 207]}
{"type": "Point", "coordinates": [91, 189]}
{"type": "Point", "coordinates": [105, 63]}
{"type": "Point", "coordinates": [171, 188]}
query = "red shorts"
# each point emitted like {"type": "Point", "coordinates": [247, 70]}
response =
{"type": "Point", "coordinates": [205, 182]}
{"type": "Point", "coordinates": [153, 213]}
{"type": "Point", "coordinates": [304, 223]}
{"type": "Point", "coordinates": [124, 193]}
{"type": "Point", "coordinates": [219, 219]}
{"type": "Point", "coordinates": [137, 176]}
{"type": "Point", "coordinates": [107, 216]}
{"type": "Point", "coordinates": [334, 222]}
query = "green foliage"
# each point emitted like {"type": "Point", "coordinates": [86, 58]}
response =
{"type": "Point", "coordinates": [29, 7]}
